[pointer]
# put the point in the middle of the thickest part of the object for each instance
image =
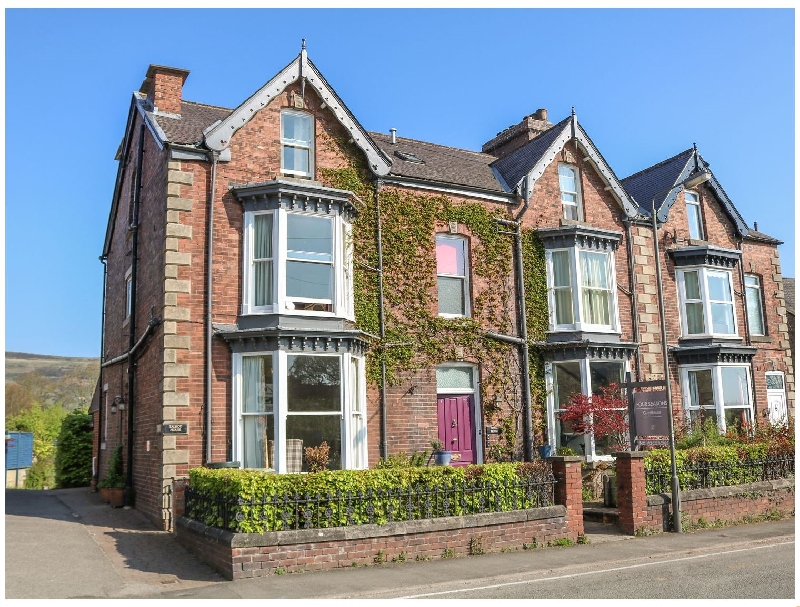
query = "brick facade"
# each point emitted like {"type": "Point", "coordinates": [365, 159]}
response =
{"type": "Point", "coordinates": [171, 284]}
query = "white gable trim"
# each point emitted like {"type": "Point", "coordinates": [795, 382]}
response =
{"type": "Point", "coordinates": [219, 137]}
{"type": "Point", "coordinates": [592, 154]}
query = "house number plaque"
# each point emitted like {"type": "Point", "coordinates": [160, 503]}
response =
{"type": "Point", "coordinates": [175, 428]}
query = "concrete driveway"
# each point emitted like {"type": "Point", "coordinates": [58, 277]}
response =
{"type": "Point", "coordinates": [66, 543]}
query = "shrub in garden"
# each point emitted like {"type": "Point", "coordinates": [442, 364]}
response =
{"type": "Point", "coordinates": [73, 463]}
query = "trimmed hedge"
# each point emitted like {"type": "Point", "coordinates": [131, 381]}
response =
{"type": "Point", "coordinates": [729, 464]}
{"type": "Point", "coordinates": [256, 496]}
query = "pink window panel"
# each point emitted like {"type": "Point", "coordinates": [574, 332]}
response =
{"type": "Point", "coordinates": [450, 257]}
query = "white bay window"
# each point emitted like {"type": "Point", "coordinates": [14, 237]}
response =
{"type": "Point", "coordinates": [296, 263]}
{"type": "Point", "coordinates": [717, 392]}
{"type": "Point", "coordinates": [706, 302]}
{"type": "Point", "coordinates": [284, 402]}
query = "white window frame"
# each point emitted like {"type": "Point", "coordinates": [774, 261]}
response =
{"type": "Point", "coordinates": [128, 295]}
{"type": "Point", "coordinates": [578, 203]}
{"type": "Point", "coordinates": [760, 311]}
{"type": "Point", "coordinates": [341, 301]}
{"type": "Point", "coordinates": [586, 387]}
{"type": "Point", "coordinates": [464, 243]}
{"type": "Point", "coordinates": [716, 382]}
{"type": "Point", "coordinates": [708, 326]}
{"type": "Point", "coordinates": [577, 288]}
{"type": "Point", "coordinates": [299, 143]}
{"type": "Point", "coordinates": [692, 199]}
{"type": "Point", "coordinates": [353, 413]}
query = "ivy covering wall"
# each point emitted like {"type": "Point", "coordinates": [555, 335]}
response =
{"type": "Point", "coordinates": [415, 336]}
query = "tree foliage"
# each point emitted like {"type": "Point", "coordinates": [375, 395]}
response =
{"type": "Point", "coordinates": [45, 424]}
{"type": "Point", "coordinates": [73, 461]}
{"type": "Point", "coordinates": [604, 414]}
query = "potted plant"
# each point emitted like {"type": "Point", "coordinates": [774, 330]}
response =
{"type": "Point", "coordinates": [113, 484]}
{"type": "Point", "coordinates": [441, 456]}
{"type": "Point", "coordinates": [545, 451]}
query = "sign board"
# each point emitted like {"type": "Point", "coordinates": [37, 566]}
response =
{"type": "Point", "coordinates": [19, 450]}
{"type": "Point", "coordinates": [175, 428]}
{"type": "Point", "coordinates": [651, 418]}
{"type": "Point", "coordinates": [492, 429]}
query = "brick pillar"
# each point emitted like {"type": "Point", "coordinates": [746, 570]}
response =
{"type": "Point", "coordinates": [568, 491]}
{"type": "Point", "coordinates": [178, 498]}
{"type": "Point", "coordinates": [631, 492]}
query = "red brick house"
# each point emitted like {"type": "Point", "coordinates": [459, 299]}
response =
{"type": "Point", "coordinates": [277, 276]}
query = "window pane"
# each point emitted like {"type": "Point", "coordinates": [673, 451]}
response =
{"type": "Point", "coordinates": [594, 271]}
{"type": "Point", "coordinates": [566, 179]}
{"type": "Point", "coordinates": [694, 319]}
{"type": "Point", "coordinates": [313, 383]}
{"type": "Point", "coordinates": [699, 416]}
{"type": "Point", "coordinates": [737, 419]}
{"type": "Point", "coordinates": [262, 283]}
{"type": "Point", "coordinates": [774, 381]}
{"type": "Point", "coordinates": [450, 256]}
{"type": "Point", "coordinates": [454, 378]}
{"type": "Point", "coordinates": [719, 287]}
{"type": "Point", "coordinates": [262, 236]}
{"type": "Point", "coordinates": [567, 380]}
{"type": "Point", "coordinates": [563, 299]}
{"type": "Point", "coordinates": [259, 434]}
{"type": "Point", "coordinates": [604, 373]}
{"type": "Point", "coordinates": [691, 285]}
{"type": "Point", "coordinates": [571, 212]}
{"type": "Point", "coordinates": [296, 127]}
{"type": "Point", "coordinates": [755, 318]}
{"type": "Point", "coordinates": [701, 389]}
{"type": "Point", "coordinates": [722, 318]}
{"type": "Point", "coordinates": [295, 159]}
{"type": "Point", "coordinates": [451, 295]}
{"type": "Point", "coordinates": [693, 214]}
{"type": "Point", "coordinates": [256, 384]}
{"type": "Point", "coordinates": [734, 387]}
{"type": "Point", "coordinates": [596, 307]}
{"type": "Point", "coordinates": [312, 280]}
{"type": "Point", "coordinates": [309, 237]}
{"type": "Point", "coordinates": [310, 431]}
{"type": "Point", "coordinates": [561, 274]}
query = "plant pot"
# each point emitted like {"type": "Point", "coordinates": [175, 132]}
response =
{"type": "Point", "coordinates": [117, 496]}
{"type": "Point", "coordinates": [442, 458]}
{"type": "Point", "coordinates": [105, 494]}
{"type": "Point", "coordinates": [545, 451]}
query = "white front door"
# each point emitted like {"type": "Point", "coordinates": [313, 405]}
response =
{"type": "Point", "coordinates": [776, 397]}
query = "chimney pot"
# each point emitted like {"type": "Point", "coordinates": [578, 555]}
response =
{"type": "Point", "coordinates": [394, 135]}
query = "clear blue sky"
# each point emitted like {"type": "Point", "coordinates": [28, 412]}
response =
{"type": "Point", "coordinates": [645, 84]}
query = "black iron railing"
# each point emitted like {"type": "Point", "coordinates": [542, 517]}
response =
{"type": "Point", "coordinates": [704, 475]}
{"type": "Point", "coordinates": [341, 509]}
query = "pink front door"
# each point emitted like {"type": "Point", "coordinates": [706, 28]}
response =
{"type": "Point", "coordinates": [455, 416]}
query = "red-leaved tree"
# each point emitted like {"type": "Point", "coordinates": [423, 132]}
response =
{"type": "Point", "coordinates": [604, 414]}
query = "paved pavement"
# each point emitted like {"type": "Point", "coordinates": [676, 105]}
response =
{"type": "Point", "coordinates": [67, 544]}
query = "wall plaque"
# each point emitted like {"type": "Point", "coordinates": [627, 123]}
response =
{"type": "Point", "coordinates": [175, 428]}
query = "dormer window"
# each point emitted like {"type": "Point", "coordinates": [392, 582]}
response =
{"type": "Point", "coordinates": [693, 216]}
{"type": "Point", "coordinates": [297, 143]}
{"type": "Point", "coordinates": [570, 193]}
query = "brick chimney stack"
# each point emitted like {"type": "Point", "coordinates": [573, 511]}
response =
{"type": "Point", "coordinates": [164, 87]}
{"type": "Point", "coordinates": [516, 136]}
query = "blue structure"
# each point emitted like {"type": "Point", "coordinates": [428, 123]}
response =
{"type": "Point", "coordinates": [19, 450]}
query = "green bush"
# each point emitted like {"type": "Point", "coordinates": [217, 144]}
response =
{"type": "Point", "coordinates": [115, 478]}
{"type": "Point", "coordinates": [73, 465]}
{"type": "Point", "coordinates": [251, 488]}
{"type": "Point", "coordinates": [730, 465]}
{"type": "Point", "coordinates": [40, 475]}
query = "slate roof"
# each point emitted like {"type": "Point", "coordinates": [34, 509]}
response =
{"type": "Point", "coordinates": [761, 237]}
{"type": "Point", "coordinates": [519, 162]}
{"type": "Point", "coordinates": [788, 294]}
{"type": "Point", "coordinates": [655, 181]}
{"type": "Point", "coordinates": [440, 163]}
{"type": "Point", "coordinates": [195, 117]}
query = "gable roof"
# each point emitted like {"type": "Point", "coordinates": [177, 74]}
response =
{"type": "Point", "coordinates": [439, 163]}
{"type": "Point", "coordinates": [660, 183]}
{"type": "Point", "coordinates": [522, 167]}
{"type": "Point", "coordinates": [218, 136]}
{"type": "Point", "coordinates": [187, 129]}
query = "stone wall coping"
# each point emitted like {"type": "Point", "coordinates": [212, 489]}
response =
{"type": "Point", "coordinates": [565, 458]}
{"type": "Point", "coordinates": [722, 492]}
{"type": "Point", "coordinates": [630, 454]}
{"type": "Point", "coordinates": [358, 532]}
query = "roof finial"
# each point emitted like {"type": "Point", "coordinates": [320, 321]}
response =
{"type": "Point", "coordinates": [304, 45]}
{"type": "Point", "coordinates": [573, 111]}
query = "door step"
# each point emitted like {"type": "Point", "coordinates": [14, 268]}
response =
{"type": "Point", "coordinates": [600, 514]}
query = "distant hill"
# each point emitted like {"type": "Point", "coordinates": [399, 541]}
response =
{"type": "Point", "coordinates": [67, 381]}
{"type": "Point", "coordinates": [53, 367]}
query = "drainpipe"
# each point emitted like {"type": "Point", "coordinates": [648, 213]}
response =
{"type": "Point", "coordinates": [634, 299]}
{"type": "Point", "coordinates": [384, 447]}
{"type": "Point", "coordinates": [209, 292]}
{"type": "Point", "coordinates": [101, 400]}
{"type": "Point", "coordinates": [748, 341]}
{"type": "Point", "coordinates": [129, 491]}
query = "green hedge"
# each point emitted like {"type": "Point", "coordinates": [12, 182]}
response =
{"type": "Point", "coordinates": [255, 496]}
{"type": "Point", "coordinates": [727, 465]}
